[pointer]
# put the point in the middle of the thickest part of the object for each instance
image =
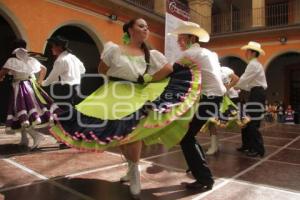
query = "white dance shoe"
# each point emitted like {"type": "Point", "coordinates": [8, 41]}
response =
{"type": "Point", "coordinates": [213, 145]}
{"type": "Point", "coordinates": [134, 180]}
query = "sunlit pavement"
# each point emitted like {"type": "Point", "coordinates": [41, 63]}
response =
{"type": "Point", "coordinates": [50, 173]}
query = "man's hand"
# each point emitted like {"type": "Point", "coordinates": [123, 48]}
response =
{"type": "Point", "coordinates": [40, 82]}
{"type": "Point", "coordinates": [227, 86]}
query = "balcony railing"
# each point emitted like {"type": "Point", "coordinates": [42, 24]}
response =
{"type": "Point", "coordinates": [144, 4]}
{"type": "Point", "coordinates": [275, 15]}
{"type": "Point", "coordinates": [229, 22]}
{"type": "Point", "coordinates": [278, 14]}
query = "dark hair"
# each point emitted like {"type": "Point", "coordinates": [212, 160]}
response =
{"type": "Point", "coordinates": [18, 43]}
{"type": "Point", "coordinates": [59, 41]}
{"type": "Point", "coordinates": [197, 38]}
{"type": "Point", "coordinates": [144, 47]}
{"type": "Point", "coordinates": [256, 52]}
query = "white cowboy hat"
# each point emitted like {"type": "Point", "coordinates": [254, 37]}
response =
{"type": "Point", "coordinates": [254, 46]}
{"type": "Point", "coordinates": [193, 29]}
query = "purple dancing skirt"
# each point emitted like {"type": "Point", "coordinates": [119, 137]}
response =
{"type": "Point", "coordinates": [29, 106]}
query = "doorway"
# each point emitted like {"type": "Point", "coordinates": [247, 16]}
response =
{"type": "Point", "coordinates": [84, 47]}
{"type": "Point", "coordinates": [7, 35]}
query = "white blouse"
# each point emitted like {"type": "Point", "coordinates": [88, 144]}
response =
{"type": "Point", "coordinates": [226, 72]}
{"type": "Point", "coordinates": [128, 67]}
{"type": "Point", "coordinates": [22, 69]}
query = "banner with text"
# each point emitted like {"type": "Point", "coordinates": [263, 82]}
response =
{"type": "Point", "coordinates": [177, 12]}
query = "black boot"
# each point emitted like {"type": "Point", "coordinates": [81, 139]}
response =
{"type": "Point", "coordinates": [203, 186]}
{"type": "Point", "coordinates": [242, 149]}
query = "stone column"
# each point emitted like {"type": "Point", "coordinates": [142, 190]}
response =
{"type": "Point", "coordinates": [160, 7]}
{"type": "Point", "coordinates": [258, 13]}
{"type": "Point", "coordinates": [201, 13]}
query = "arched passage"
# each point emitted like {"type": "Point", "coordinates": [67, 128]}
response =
{"type": "Point", "coordinates": [81, 44]}
{"type": "Point", "coordinates": [238, 66]}
{"type": "Point", "coordinates": [84, 46]}
{"type": "Point", "coordinates": [235, 63]}
{"type": "Point", "coordinates": [7, 35]}
{"type": "Point", "coordinates": [283, 77]}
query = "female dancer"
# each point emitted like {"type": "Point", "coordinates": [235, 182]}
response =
{"type": "Point", "coordinates": [30, 106]}
{"type": "Point", "coordinates": [229, 78]}
{"type": "Point", "coordinates": [138, 103]}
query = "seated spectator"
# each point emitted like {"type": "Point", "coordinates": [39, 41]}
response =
{"type": "Point", "coordinates": [274, 111]}
{"type": "Point", "coordinates": [268, 115]}
{"type": "Point", "coordinates": [289, 117]}
{"type": "Point", "coordinates": [280, 113]}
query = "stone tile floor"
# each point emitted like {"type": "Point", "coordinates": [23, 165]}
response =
{"type": "Point", "coordinates": [53, 174]}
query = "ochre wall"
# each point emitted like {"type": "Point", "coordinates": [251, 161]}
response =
{"type": "Point", "coordinates": [230, 46]}
{"type": "Point", "coordinates": [40, 18]}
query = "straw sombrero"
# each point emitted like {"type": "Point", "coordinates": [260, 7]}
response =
{"type": "Point", "coordinates": [193, 29]}
{"type": "Point", "coordinates": [254, 46]}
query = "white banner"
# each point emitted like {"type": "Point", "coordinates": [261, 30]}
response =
{"type": "Point", "coordinates": [172, 50]}
{"type": "Point", "coordinates": [176, 13]}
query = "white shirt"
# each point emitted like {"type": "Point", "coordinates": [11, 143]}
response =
{"type": "Point", "coordinates": [226, 72]}
{"type": "Point", "coordinates": [212, 84]}
{"type": "Point", "coordinates": [253, 76]}
{"type": "Point", "coordinates": [68, 67]}
{"type": "Point", "coordinates": [124, 66]}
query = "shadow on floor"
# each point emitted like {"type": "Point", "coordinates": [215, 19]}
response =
{"type": "Point", "coordinates": [105, 190]}
{"type": "Point", "coordinates": [7, 149]}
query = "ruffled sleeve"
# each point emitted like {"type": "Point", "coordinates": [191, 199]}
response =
{"type": "Point", "coordinates": [157, 61]}
{"type": "Point", "coordinates": [227, 71]}
{"type": "Point", "coordinates": [30, 66]}
{"type": "Point", "coordinates": [35, 65]}
{"type": "Point", "coordinates": [10, 63]}
{"type": "Point", "coordinates": [109, 54]}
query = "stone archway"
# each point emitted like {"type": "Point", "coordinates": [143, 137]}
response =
{"type": "Point", "coordinates": [283, 77]}
{"type": "Point", "coordinates": [84, 46]}
{"type": "Point", "coordinates": [237, 64]}
{"type": "Point", "coordinates": [7, 35]}
{"type": "Point", "coordinates": [81, 44]}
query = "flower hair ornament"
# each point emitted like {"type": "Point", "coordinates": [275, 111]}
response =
{"type": "Point", "coordinates": [126, 38]}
